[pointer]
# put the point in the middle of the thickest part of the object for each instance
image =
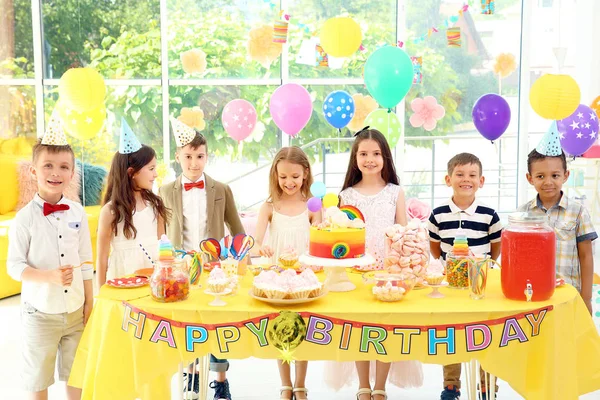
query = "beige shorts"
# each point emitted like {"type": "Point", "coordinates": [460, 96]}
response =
{"type": "Point", "coordinates": [45, 336]}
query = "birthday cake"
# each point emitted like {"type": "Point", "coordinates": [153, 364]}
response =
{"type": "Point", "coordinates": [341, 235]}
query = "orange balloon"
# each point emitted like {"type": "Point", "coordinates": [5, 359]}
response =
{"type": "Point", "coordinates": [596, 105]}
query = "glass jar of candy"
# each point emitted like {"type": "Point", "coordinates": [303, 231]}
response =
{"type": "Point", "coordinates": [457, 270]}
{"type": "Point", "coordinates": [528, 258]}
{"type": "Point", "coordinates": [170, 282]}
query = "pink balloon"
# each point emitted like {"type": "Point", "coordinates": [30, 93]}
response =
{"type": "Point", "coordinates": [291, 108]}
{"type": "Point", "coordinates": [239, 119]}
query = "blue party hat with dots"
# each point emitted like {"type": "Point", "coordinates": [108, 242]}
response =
{"type": "Point", "coordinates": [128, 143]}
{"type": "Point", "coordinates": [550, 143]}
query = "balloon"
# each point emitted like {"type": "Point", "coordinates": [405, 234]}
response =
{"type": "Point", "coordinates": [291, 108]}
{"type": "Point", "coordinates": [579, 131]}
{"type": "Point", "coordinates": [491, 115]}
{"type": "Point", "coordinates": [386, 123]}
{"type": "Point", "coordinates": [82, 89]}
{"type": "Point", "coordinates": [318, 189]}
{"type": "Point", "coordinates": [554, 96]}
{"type": "Point", "coordinates": [330, 200]}
{"type": "Point", "coordinates": [340, 37]}
{"type": "Point", "coordinates": [239, 119]}
{"type": "Point", "coordinates": [314, 204]}
{"type": "Point", "coordinates": [338, 108]}
{"type": "Point", "coordinates": [82, 125]}
{"type": "Point", "coordinates": [389, 75]}
{"type": "Point", "coordinates": [596, 105]}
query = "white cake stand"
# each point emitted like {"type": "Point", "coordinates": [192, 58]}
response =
{"type": "Point", "coordinates": [337, 277]}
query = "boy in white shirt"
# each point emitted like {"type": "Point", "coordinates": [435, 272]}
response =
{"type": "Point", "coordinates": [50, 251]}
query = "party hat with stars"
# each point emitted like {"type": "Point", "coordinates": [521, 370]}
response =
{"type": "Point", "coordinates": [128, 143]}
{"type": "Point", "coordinates": [550, 143]}
{"type": "Point", "coordinates": [183, 133]}
{"type": "Point", "coordinates": [55, 133]}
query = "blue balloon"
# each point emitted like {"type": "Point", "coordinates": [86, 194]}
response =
{"type": "Point", "coordinates": [338, 109]}
{"type": "Point", "coordinates": [318, 189]}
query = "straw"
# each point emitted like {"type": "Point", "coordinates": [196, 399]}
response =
{"type": "Point", "coordinates": [147, 255]}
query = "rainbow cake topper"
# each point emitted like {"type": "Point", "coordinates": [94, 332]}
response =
{"type": "Point", "coordinates": [352, 212]}
{"type": "Point", "coordinates": [165, 250]}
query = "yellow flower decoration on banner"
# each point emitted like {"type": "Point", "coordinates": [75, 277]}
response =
{"type": "Point", "coordinates": [505, 65]}
{"type": "Point", "coordinates": [363, 106]}
{"type": "Point", "coordinates": [192, 117]}
{"type": "Point", "coordinates": [193, 61]}
{"type": "Point", "coordinates": [261, 47]}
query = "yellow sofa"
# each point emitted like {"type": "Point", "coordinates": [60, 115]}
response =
{"type": "Point", "coordinates": [11, 152]}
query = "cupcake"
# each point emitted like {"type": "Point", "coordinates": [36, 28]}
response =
{"type": "Point", "coordinates": [435, 273]}
{"type": "Point", "coordinates": [217, 281]}
{"type": "Point", "coordinates": [263, 280]}
{"type": "Point", "coordinates": [312, 282]}
{"type": "Point", "coordinates": [299, 288]}
{"type": "Point", "coordinates": [288, 258]}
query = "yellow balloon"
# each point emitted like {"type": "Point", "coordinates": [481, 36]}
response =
{"type": "Point", "coordinates": [330, 200]}
{"type": "Point", "coordinates": [82, 89]}
{"type": "Point", "coordinates": [555, 96]}
{"type": "Point", "coordinates": [341, 37]}
{"type": "Point", "coordinates": [82, 125]}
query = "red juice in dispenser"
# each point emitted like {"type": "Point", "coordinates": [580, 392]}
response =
{"type": "Point", "coordinates": [528, 257]}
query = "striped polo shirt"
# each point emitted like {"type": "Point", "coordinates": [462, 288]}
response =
{"type": "Point", "coordinates": [479, 222]}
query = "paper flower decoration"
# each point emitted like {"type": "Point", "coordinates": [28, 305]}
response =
{"type": "Point", "coordinates": [193, 61]}
{"type": "Point", "coordinates": [505, 65]}
{"type": "Point", "coordinates": [192, 117]}
{"type": "Point", "coordinates": [261, 47]}
{"type": "Point", "coordinates": [415, 208]}
{"type": "Point", "coordinates": [427, 113]}
{"type": "Point", "coordinates": [363, 106]}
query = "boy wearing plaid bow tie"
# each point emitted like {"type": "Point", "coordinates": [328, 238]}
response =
{"type": "Point", "coordinates": [51, 253]}
{"type": "Point", "coordinates": [201, 207]}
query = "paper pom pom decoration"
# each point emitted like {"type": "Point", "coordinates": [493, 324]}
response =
{"type": "Point", "coordinates": [82, 89]}
{"type": "Point", "coordinates": [193, 61]}
{"type": "Point", "coordinates": [340, 250]}
{"type": "Point", "coordinates": [363, 106]}
{"type": "Point", "coordinates": [55, 134]}
{"type": "Point", "coordinates": [192, 117]}
{"type": "Point", "coordinates": [261, 47]}
{"type": "Point", "coordinates": [352, 212]}
{"type": "Point", "coordinates": [505, 65]}
{"type": "Point", "coordinates": [427, 113]}
{"type": "Point", "coordinates": [555, 96]}
{"type": "Point", "coordinates": [340, 37]}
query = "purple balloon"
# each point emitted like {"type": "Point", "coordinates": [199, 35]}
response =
{"type": "Point", "coordinates": [491, 115]}
{"type": "Point", "coordinates": [579, 131]}
{"type": "Point", "coordinates": [314, 204]}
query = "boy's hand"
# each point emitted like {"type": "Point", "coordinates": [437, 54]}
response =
{"type": "Point", "coordinates": [87, 311]}
{"type": "Point", "coordinates": [62, 276]}
{"type": "Point", "coordinates": [266, 251]}
{"type": "Point", "coordinates": [588, 304]}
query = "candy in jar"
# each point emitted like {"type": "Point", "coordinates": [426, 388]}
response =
{"type": "Point", "coordinates": [528, 258]}
{"type": "Point", "coordinates": [407, 249]}
{"type": "Point", "coordinates": [170, 280]}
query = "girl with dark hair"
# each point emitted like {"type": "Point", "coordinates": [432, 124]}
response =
{"type": "Point", "coordinates": [131, 216]}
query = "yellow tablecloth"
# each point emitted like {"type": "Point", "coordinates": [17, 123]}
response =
{"type": "Point", "coordinates": [132, 345]}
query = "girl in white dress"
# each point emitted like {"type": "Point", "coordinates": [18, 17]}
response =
{"type": "Point", "coordinates": [289, 220]}
{"type": "Point", "coordinates": [131, 215]}
{"type": "Point", "coordinates": [372, 186]}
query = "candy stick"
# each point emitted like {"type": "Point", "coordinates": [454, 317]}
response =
{"type": "Point", "coordinates": [147, 255]}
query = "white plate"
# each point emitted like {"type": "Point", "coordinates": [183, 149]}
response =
{"type": "Point", "coordinates": [286, 301]}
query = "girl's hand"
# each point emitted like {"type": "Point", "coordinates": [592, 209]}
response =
{"type": "Point", "coordinates": [266, 251]}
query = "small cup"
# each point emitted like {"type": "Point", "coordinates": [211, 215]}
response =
{"type": "Point", "coordinates": [478, 272]}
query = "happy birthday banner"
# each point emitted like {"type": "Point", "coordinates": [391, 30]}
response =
{"type": "Point", "coordinates": [309, 336]}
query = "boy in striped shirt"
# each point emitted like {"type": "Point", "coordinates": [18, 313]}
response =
{"type": "Point", "coordinates": [482, 227]}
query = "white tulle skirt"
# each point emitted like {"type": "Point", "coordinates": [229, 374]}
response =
{"type": "Point", "coordinates": [403, 374]}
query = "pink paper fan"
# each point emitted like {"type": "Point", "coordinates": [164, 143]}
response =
{"type": "Point", "coordinates": [427, 113]}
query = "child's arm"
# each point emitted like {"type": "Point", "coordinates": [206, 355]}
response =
{"type": "Point", "coordinates": [435, 248]}
{"type": "Point", "coordinates": [232, 218]}
{"type": "Point", "coordinates": [495, 236]}
{"type": "Point", "coordinates": [586, 262]}
{"type": "Point", "coordinates": [87, 269]}
{"type": "Point", "coordinates": [495, 247]}
{"type": "Point", "coordinates": [105, 234]}
{"type": "Point", "coordinates": [315, 217]}
{"type": "Point", "coordinates": [435, 242]}
{"type": "Point", "coordinates": [401, 209]}
{"type": "Point", "coordinates": [264, 217]}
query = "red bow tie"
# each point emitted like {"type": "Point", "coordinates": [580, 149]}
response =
{"type": "Point", "coordinates": [50, 208]}
{"type": "Point", "coordinates": [190, 186]}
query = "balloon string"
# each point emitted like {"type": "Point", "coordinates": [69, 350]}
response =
{"type": "Point", "coordinates": [82, 174]}
{"type": "Point", "coordinates": [339, 134]}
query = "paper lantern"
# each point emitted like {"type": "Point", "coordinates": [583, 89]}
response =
{"type": "Point", "coordinates": [82, 89]}
{"type": "Point", "coordinates": [82, 125]}
{"type": "Point", "coordinates": [341, 37]}
{"type": "Point", "coordinates": [555, 96]}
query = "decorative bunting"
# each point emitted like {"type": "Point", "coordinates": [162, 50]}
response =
{"type": "Point", "coordinates": [453, 36]}
{"type": "Point", "coordinates": [417, 70]}
{"type": "Point", "coordinates": [280, 32]}
{"type": "Point", "coordinates": [447, 23]}
{"type": "Point", "coordinates": [488, 7]}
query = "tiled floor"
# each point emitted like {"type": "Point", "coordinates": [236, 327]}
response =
{"type": "Point", "coordinates": [251, 379]}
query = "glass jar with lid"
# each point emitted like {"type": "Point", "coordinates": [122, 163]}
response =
{"type": "Point", "coordinates": [170, 281]}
